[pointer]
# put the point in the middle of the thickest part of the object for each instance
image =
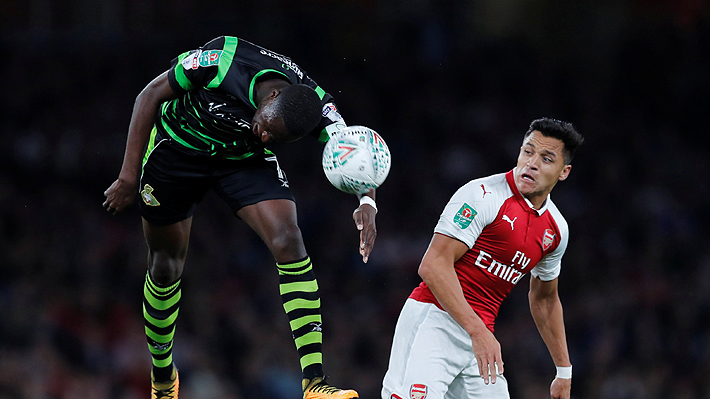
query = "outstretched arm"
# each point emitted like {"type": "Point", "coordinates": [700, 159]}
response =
{"type": "Point", "coordinates": [546, 309]}
{"type": "Point", "coordinates": [121, 193]}
{"type": "Point", "coordinates": [364, 215]}
{"type": "Point", "coordinates": [437, 271]}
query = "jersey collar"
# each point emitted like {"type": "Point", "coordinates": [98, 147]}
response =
{"type": "Point", "coordinates": [524, 202]}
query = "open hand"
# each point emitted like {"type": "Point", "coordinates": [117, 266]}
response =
{"type": "Point", "coordinates": [486, 348]}
{"type": "Point", "coordinates": [364, 217]}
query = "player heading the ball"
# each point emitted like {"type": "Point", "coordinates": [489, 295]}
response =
{"type": "Point", "coordinates": [205, 124]}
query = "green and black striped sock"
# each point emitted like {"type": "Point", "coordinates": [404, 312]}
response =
{"type": "Point", "coordinates": [301, 300]}
{"type": "Point", "coordinates": [160, 310]}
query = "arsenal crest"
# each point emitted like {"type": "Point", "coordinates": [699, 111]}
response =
{"type": "Point", "coordinates": [547, 239]}
{"type": "Point", "coordinates": [418, 391]}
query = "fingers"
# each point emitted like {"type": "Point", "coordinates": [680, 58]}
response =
{"type": "Point", "coordinates": [496, 368]}
{"type": "Point", "coordinates": [490, 366]}
{"type": "Point", "coordinates": [363, 251]}
{"type": "Point", "coordinates": [365, 246]}
{"type": "Point", "coordinates": [118, 197]}
{"type": "Point", "coordinates": [109, 194]}
{"type": "Point", "coordinates": [357, 217]}
{"type": "Point", "coordinates": [110, 208]}
{"type": "Point", "coordinates": [107, 204]}
{"type": "Point", "coordinates": [560, 388]}
{"type": "Point", "coordinates": [364, 217]}
{"type": "Point", "coordinates": [112, 203]}
{"type": "Point", "coordinates": [488, 372]}
{"type": "Point", "coordinates": [367, 240]}
{"type": "Point", "coordinates": [484, 368]}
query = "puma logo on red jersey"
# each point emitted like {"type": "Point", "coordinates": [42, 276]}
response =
{"type": "Point", "coordinates": [507, 219]}
{"type": "Point", "coordinates": [484, 191]}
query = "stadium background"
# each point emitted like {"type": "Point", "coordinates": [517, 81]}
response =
{"type": "Point", "coordinates": [451, 86]}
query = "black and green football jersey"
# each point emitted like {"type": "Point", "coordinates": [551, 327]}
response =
{"type": "Point", "coordinates": [215, 105]}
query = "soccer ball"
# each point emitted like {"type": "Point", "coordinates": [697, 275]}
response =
{"type": "Point", "coordinates": [356, 159]}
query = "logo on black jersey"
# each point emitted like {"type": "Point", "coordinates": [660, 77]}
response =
{"type": "Point", "coordinates": [330, 111]}
{"type": "Point", "coordinates": [202, 59]}
{"type": "Point", "coordinates": [287, 63]}
{"type": "Point", "coordinates": [149, 198]}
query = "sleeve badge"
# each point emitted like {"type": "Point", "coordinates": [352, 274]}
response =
{"type": "Point", "coordinates": [547, 239]}
{"type": "Point", "coordinates": [464, 216]}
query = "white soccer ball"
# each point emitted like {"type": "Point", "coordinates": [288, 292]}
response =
{"type": "Point", "coordinates": [356, 159]}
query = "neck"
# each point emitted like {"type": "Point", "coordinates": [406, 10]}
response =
{"type": "Point", "coordinates": [537, 201]}
{"type": "Point", "coordinates": [264, 88]}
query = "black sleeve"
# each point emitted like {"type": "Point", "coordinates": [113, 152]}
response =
{"type": "Point", "coordinates": [196, 68]}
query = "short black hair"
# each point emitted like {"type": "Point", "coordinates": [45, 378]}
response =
{"type": "Point", "coordinates": [563, 131]}
{"type": "Point", "coordinates": [300, 107]}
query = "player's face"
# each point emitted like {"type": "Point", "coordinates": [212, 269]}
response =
{"type": "Point", "coordinates": [540, 166]}
{"type": "Point", "coordinates": [266, 125]}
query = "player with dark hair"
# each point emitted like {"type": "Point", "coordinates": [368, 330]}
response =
{"type": "Point", "coordinates": [300, 109]}
{"type": "Point", "coordinates": [563, 131]}
{"type": "Point", "coordinates": [217, 108]}
{"type": "Point", "coordinates": [493, 231]}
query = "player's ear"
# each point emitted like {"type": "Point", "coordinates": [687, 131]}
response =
{"type": "Point", "coordinates": [565, 172]}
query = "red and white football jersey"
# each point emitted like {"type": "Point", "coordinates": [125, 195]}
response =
{"type": "Point", "coordinates": [507, 239]}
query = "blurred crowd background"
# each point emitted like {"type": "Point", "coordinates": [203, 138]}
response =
{"type": "Point", "coordinates": [452, 87]}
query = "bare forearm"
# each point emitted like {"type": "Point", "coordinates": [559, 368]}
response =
{"type": "Point", "coordinates": [548, 316]}
{"type": "Point", "coordinates": [122, 191]}
{"type": "Point", "coordinates": [145, 110]}
{"type": "Point", "coordinates": [446, 287]}
{"type": "Point", "coordinates": [138, 133]}
{"type": "Point", "coordinates": [438, 272]}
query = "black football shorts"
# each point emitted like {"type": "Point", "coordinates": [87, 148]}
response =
{"type": "Point", "coordinates": [173, 182]}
